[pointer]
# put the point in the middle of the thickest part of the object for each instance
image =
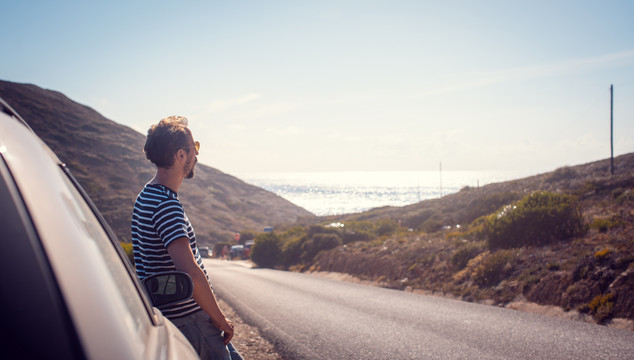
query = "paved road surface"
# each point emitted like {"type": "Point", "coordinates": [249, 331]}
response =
{"type": "Point", "coordinates": [308, 317]}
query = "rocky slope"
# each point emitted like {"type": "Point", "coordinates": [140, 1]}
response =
{"type": "Point", "coordinates": [107, 158]}
{"type": "Point", "coordinates": [591, 274]}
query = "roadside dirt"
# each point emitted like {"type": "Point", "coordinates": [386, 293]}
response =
{"type": "Point", "coordinates": [247, 339]}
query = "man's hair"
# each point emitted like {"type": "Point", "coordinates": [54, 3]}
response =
{"type": "Point", "coordinates": [165, 139]}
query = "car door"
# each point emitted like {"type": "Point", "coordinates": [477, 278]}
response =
{"type": "Point", "coordinates": [68, 289]}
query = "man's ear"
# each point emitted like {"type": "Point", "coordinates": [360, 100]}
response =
{"type": "Point", "coordinates": [180, 155]}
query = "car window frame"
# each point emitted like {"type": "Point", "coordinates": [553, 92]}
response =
{"type": "Point", "coordinates": [142, 292]}
{"type": "Point", "coordinates": [48, 306]}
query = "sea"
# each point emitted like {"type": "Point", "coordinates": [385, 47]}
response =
{"type": "Point", "coordinates": [336, 193]}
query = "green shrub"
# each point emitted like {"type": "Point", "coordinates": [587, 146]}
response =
{"type": "Point", "coordinates": [218, 247]}
{"type": "Point", "coordinates": [624, 197]}
{"type": "Point", "coordinates": [127, 248]}
{"type": "Point", "coordinates": [487, 268]}
{"type": "Point", "coordinates": [352, 236]}
{"type": "Point", "coordinates": [246, 235]}
{"type": "Point", "coordinates": [314, 245]}
{"type": "Point", "coordinates": [291, 252]}
{"type": "Point", "coordinates": [266, 250]}
{"type": "Point", "coordinates": [493, 267]}
{"type": "Point", "coordinates": [432, 224]}
{"type": "Point", "coordinates": [359, 226]}
{"type": "Point", "coordinates": [589, 187]}
{"type": "Point", "coordinates": [419, 218]}
{"type": "Point", "coordinates": [463, 254]}
{"type": "Point", "coordinates": [318, 229]}
{"type": "Point", "coordinates": [485, 205]}
{"type": "Point", "coordinates": [604, 224]}
{"type": "Point", "coordinates": [386, 227]}
{"type": "Point", "coordinates": [601, 307]}
{"type": "Point", "coordinates": [357, 231]}
{"type": "Point", "coordinates": [537, 219]}
{"type": "Point", "coordinates": [564, 173]}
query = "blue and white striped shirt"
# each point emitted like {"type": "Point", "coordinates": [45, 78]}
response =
{"type": "Point", "coordinates": [158, 219]}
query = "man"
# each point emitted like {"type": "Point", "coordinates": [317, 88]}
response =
{"type": "Point", "coordinates": [163, 238]}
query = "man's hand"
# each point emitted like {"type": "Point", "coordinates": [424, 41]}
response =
{"type": "Point", "coordinates": [181, 254]}
{"type": "Point", "coordinates": [227, 327]}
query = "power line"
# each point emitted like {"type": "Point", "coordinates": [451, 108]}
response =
{"type": "Point", "coordinates": [612, 129]}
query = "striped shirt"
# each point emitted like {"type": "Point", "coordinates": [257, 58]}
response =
{"type": "Point", "coordinates": [158, 219]}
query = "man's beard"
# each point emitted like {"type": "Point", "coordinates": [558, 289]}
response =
{"type": "Point", "coordinates": [190, 174]}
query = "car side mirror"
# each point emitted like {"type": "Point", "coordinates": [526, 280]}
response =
{"type": "Point", "coordinates": [169, 287]}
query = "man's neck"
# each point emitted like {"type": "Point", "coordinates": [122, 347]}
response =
{"type": "Point", "coordinates": [169, 178]}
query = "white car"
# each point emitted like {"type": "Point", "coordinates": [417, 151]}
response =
{"type": "Point", "coordinates": [68, 290]}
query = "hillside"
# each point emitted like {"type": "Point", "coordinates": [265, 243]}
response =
{"type": "Point", "coordinates": [107, 159]}
{"type": "Point", "coordinates": [470, 203]}
{"type": "Point", "coordinates": [564, 241]}
{"type": "Point", "coordinates": [441, 247]}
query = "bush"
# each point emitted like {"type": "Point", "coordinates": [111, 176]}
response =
{"type": "Point", "coordinates": [353, 236]}
{"type": "Point", "coordinates": [317, 229]}
{"type": "Point", "coordinates": [218, 249]}
{"type": "Point", "coordinates": [493, 268]}
{"type": "Point", "coordinates": [463, 254]}
{"type": "Point", "coordinates": [266, 250]}
{"type": "Point", "coordinates": [320, 242]}
{"type": "Point", "coordinates": [246, 235]}
{"type": "Point", "coordinates": [432, 224]}
{"type": "Point", "coordinates": [419, 218]}
{"type": "Point", "coordinates": [487, 268]}
{"type": "Point", "coordinates": [604, 225]}
{"type": "Point", "coordinates": [357, 231]}
{"type": "Point", "coordinates": [537, 219]}
{"type": "Point", "coordinates": [303, 249]}
{"type": "Point", "coordinates": [624, 197]}
{"type": "Point", "coordinates": [127, 248]}
{"type": "Point", "coordinates": [601, 307]}
{"type": "Point", "coordinates": [291, 252]}
{"type": "Point", "coordinates": [386, 227]}
{"type": "Point", "coordinates": [561, 174]}
{"type": "Point", "coordinates": [485, 205]}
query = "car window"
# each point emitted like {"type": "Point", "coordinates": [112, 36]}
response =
{"type": "Point", "coordinates": [30, 294]}
{"type": "Point", "coordinates": [137, 313]}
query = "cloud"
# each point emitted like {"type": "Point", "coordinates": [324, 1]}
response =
{"type": "Point", "coordinates": [284, 132]}
{"type": "Point", "coordinates": [344, 138]}
{"type": "Point", "coordinates": [236, 127]}
{"type": "Point", "coordinates": [223, 105]}
{"type": "Point", "coordinates": [529, 72]}
{"type": "Point", "coordinates": [273, 109]}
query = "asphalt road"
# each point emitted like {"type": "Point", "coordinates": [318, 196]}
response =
{"type": "Point", "coordinates": [309, 317]}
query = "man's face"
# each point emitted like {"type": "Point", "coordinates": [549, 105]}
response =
{"type": "Point", "coordinates": [192, 159]}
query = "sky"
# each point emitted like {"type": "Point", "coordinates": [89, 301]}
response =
{"type": "Point", "coordinates": [309, 86]}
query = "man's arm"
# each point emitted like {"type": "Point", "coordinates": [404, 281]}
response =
{"type": "Point", "coordinates": [181, 254]}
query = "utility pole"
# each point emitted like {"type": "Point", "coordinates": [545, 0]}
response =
{"type": "Point", "coordinates": [441, 179]}
{"type": "Point", "coordinates": [612, 128]}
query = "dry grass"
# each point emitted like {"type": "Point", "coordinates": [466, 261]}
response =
{"type": "Point", "coordinates": [248, 339]}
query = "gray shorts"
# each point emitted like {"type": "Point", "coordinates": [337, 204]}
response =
{"type": "Point", "coordinates": [206, 339]}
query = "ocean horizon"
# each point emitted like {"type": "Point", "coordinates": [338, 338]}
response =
{"type": "Point", "coordinates": [336, 193]}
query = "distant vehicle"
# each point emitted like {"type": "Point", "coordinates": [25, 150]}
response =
{"type": "Point", "coordinates": [205, 251]}
{"type": "Point", "coordinates": [69, 291]}
{"type": "Point", "coordinates": [247, 248]}
{"type": "Point", "coordinates": [237, 251]}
